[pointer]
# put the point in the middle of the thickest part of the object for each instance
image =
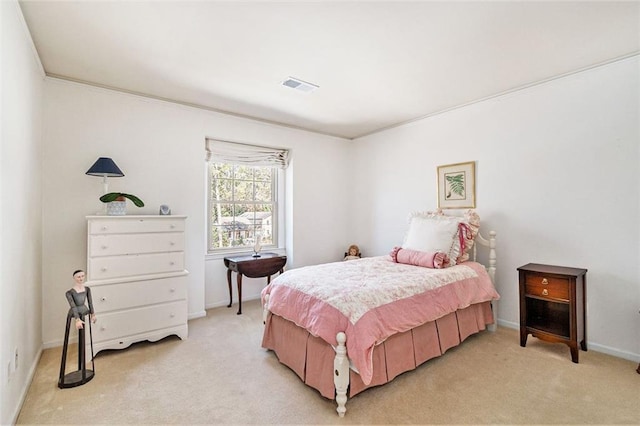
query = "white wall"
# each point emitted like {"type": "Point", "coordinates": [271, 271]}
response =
{"type": "Point", "coordinates": [557, 169]}
{"type": "Point", "coordinates": [20, 210]}
{"type": "Point", "coordinates": [317, 220]}
{"type": "Point", "coordinates": [160, 148]}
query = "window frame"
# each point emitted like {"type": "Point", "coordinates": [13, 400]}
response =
{"type": "Point", "coordinates": [277, 196]}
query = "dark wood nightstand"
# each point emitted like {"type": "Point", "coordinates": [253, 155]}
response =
{"type": "Point", "coordinates": [253, 267]}
{"type": "Point", "coordinates": [553, 305]}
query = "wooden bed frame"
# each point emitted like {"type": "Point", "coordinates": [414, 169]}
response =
{"type": "Point", "coordinates": [341, 368]}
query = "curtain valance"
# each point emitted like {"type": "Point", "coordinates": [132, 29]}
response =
{"type": "Point", "coordinates": [249, 155]}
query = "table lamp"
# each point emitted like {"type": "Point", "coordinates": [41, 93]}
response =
{"type": "Point", "coordinates": [104, 167]}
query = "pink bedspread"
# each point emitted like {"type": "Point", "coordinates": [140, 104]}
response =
{"type": "Point", "coordinates": [373, 298]}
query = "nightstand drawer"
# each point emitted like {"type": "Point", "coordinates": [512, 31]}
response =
{"type": "Point", "coordinates": [546, 286]}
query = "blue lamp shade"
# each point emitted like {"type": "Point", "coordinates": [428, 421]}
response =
{"type": "Point", "coordinates": [104, 167]}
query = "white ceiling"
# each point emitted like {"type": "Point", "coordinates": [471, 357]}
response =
{"type": "Point", "coordinates": [378, 64]}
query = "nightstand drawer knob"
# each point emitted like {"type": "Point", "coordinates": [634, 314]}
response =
{"type": "Point", "coordinates": [545, 292]}
{"type": "Point", "coordinates": [544, 281]}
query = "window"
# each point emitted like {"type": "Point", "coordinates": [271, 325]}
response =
{"type": "Point", "coordinates": [244, 195]}
{"type": "Point", "coordinates": [243, 205]}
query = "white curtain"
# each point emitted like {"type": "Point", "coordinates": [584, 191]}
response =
{"type": "Point", "coordinates": [250, 155]}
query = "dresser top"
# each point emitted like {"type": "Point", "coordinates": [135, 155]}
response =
{"type": "Point", "coordinates": [552, 269]}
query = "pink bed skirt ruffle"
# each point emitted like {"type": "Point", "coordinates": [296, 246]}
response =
{"type": "Point", "coordinates": [311, 358]}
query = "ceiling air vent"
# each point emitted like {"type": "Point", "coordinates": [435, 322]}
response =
{"type": "Point", "coordinates": [300, 85]}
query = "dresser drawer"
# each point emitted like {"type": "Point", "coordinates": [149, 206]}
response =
{"type": "Point", "coordinates": [135, 225]}
{"type": "Point", "coordinates": [126, 295]}
{"type": "Point", "coordinates": [102, 268]}
{"type": "Point", "coordinates": [134, 321]}
{"type": "Point", "coordinates": [541, 285]}
{"type": "Point", "coordinates": [110, 245]}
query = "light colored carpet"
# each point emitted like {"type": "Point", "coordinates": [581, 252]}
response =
{"type": "Point", "coordinates": [221, 375]}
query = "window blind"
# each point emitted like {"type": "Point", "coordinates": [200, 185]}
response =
{"type": "Point", "coordinates": [249, 155]}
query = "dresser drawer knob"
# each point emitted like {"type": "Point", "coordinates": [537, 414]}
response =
{"type": "Point", "coordinates": [104, 247]}
{"type": "Point", "coordinates": [172, 290]}
{"type": "Point", "coordinates": [103, 299]}
{"type": "Point", "coordinates": [103, 328]}
{"type": "Point", "coordinates": [103, 269]}
{"type": "Point", "coordinates": [545, 292]}
{"type": "Point", "coordinates": [172, 263]}
{"type": "Point", "coordinates": [545, 281]}
{"type": "Point", "coordinates": [171, 243]}
{"type": "Point", "coordinates": [172, 315]}
{"type": "Point", "coordinates": [172, 226]}
{"type": "Point", "coordinates": [104, 228]}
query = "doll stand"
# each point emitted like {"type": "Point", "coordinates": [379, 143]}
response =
{"type": "Point", "coordinates": [82, 375]}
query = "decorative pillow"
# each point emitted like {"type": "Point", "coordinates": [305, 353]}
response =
{"type": "Point", "coordinates": [435, 260]}
{"type": "Point", "coordinates": [472, 220]}
{"type": "Point", "coordinates": [436, 232]}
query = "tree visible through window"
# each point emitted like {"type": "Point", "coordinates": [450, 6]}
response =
{"type": "Point", "coordinates": [242, 205]}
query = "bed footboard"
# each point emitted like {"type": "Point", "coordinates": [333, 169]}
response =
{"type": "Point", "coordinates": [340, 364]}
{"type": "Point", "coordinates": [341, 373]}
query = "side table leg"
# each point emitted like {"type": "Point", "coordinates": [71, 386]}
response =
{"type": "Point", "coordinates": [229, 283]}
{"type": "Point", "coordinates": [574, 353]}
{"type": "Point", "coordinates": [523, 336]}
{"type": "Point", "coordinates": [239, 278]}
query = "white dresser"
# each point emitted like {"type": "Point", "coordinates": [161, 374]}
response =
{"type": "Point", "coordinates": [135, 268]}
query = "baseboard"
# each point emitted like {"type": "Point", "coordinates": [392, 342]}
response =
{"type": "Point", "coordinates": [630, 356]}
{"type": "Point", "coordinates": [195, 315]}
{"type": "Point", "coordinates": [613, 351]}
{"type": "Point", "coordinates": [509, 324]}
{"type": "Point", "coordinates": [26, 386]}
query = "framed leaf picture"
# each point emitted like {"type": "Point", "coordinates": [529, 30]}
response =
{"type": "Point", "coordinates": [457, 186]}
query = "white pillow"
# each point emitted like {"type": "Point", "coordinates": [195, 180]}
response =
{"type": "Point", "coordinates": [433, 233]}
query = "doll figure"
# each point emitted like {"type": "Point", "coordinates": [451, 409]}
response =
{"type": "Point", "coordinates": [80, 307]}
{"type": "Point", "coordinates": [352, 253]}
{"type": "Point", "coordinates": [79, 298]}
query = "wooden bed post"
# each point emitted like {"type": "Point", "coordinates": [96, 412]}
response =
{"type": "Point", "coordinates": [341, 373]}
{"type": "Point", "coordinates": [265, 309]}
{"type": "Point", "coordinates": [492, 256]}
{"type": "Point", "coordinates": [491, 269]}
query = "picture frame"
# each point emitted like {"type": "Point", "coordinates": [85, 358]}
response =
{"type": "Point", "coordinates": [457, 186]}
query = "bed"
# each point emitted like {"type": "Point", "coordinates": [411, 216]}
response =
{"type": "Point", "coordinates": [347, 326]}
